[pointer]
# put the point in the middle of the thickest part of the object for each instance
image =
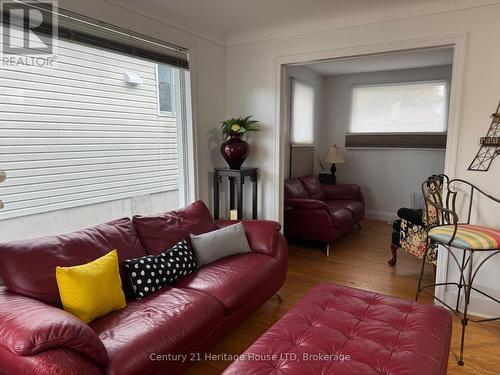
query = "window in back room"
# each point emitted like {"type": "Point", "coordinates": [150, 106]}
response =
{"type": "Point", "coordinates": [302, 131]}
{"type": "Point", "coordinates": [415, 107]}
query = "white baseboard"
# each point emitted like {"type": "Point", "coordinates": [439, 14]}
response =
{"type": "Point", "coordinates": [478, 306]}
{"type": "Point", "coordinates": [380, 215]}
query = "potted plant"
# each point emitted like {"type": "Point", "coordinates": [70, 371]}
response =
{"type": "Point", "coordinates": [234, 149]}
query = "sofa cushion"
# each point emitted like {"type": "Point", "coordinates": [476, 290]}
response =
{"type": "Point", "coordinates": [355, 207]}
{"type": "Point", "coordinates": [294, 189]}
{"type": "Point", "coordinates": [161, 231]}
{"type": "Point", "coordinates": [341, 216]}
{"type": "Point", "coordinates": [262, 235]}
{"type": "Point", "coordinates": [91, 290]}
{"type": "Point", "coordinates": [28, 267]}
{"type": "Point", "coordinates": [168, 322]}
{"type": "Point", "coordinates": [234, 280]}
{"type": "Point", "coordinates": [151, 273]}
{"type": "Point", "coordinates": [313, 187]}
{"type": "Point", "coordinates": [220, 243]}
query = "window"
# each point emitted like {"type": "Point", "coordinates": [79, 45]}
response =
{"type": "Point", "coordinates": [399, 115]}
{"type": "Point", "coordinates": [166, 93]}
{"type": "Point", "coordinates": [302, 113]}
{"type": "Point", "coordinates": [80, 133]}
{"type": "Point", "coordinates": [399, 108]}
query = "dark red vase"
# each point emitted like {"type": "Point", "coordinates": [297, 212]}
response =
{"type": "Point", "coordinates": [235, 150]}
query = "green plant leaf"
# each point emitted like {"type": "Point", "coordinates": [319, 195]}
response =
{"type": "Point", "coordinates": [246, 125]}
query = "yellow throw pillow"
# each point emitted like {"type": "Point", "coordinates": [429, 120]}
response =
{"type": "Point", "coordinates": [91, 290]}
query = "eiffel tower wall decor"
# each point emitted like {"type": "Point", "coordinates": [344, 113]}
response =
{"type": "Point", "coordinates": [489, 146]}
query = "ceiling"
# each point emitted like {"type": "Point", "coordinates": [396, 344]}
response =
{"type": "Point", "coordinates": [387, 61]}
{"type": "Point", "coordinates": [238, 21]}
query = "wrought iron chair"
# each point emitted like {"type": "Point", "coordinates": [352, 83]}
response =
{"type": "Point", "coordinates": [445, 229]}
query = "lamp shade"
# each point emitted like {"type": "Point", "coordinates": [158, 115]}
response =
{"type": "Point", "coordinates": [334, 155]}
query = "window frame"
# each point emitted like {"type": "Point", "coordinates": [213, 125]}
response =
{"type": "Point", "coordinates": [406, 139]}
{"type": "Point", "coordinates": [173, 93]}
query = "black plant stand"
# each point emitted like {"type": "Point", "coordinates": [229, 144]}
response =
{"type": "Point", "coordinates": [236, 179]}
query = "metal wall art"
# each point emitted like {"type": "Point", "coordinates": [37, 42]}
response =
{"type": "Point", "coordinates": [489, 146]}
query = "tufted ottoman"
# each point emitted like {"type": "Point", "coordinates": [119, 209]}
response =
{"type": "Point", "coordinates": [335, 329]}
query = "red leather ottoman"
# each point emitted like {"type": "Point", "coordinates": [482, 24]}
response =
{"type": "Point", "coordinates": [339, 330]}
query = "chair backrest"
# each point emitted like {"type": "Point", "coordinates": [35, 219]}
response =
{"type": "Point", "coordinates": [442, 211]}
{"type": "Point", "coordinates": [467, 192]}
{"type": "Point", "coordinates": [436, 209]}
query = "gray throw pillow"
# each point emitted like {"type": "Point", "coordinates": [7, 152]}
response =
{"type": "Point", "coordinates": [220, 243]}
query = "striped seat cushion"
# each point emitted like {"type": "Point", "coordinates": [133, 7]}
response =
{"type": "Point", "coordinates": [468, 236]}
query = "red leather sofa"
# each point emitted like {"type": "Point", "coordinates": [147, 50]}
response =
{"type": "Point", "coordinates": [318, 212]}
{"type": "Point", "coordinates": [154, 335]}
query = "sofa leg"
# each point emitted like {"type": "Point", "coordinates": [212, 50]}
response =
{"type": "Point", "coordinates": [394, 258]}
{"type": "Point", "coordinates": [279, 297]}
{"type": "Point", "coordinates": [328, 249]}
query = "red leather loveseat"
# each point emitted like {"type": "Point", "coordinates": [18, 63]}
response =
{"type": "Point", "coordinates": [320, 213]}
{"type": "Point", "coordinates": [155, 335]}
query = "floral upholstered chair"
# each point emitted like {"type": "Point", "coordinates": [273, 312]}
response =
{"type": "Point", "coordinates": [410, 230]}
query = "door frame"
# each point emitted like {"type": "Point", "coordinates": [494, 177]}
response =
{"type": "Point", "coordinates": [457, 41]}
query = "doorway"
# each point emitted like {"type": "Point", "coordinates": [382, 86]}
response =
{"type": "Point", "coordinates": [454, 45]}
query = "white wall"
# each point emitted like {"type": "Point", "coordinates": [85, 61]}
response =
{"type": "Point", "coordinates": [251, 84]}
{"type": "Point", "coordinates": [387, 177]}
{"type": "Point", "coordinates": [208, 64]}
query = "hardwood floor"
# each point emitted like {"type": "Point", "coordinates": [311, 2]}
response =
{"type": "Point", "coordinates": [359, 259]}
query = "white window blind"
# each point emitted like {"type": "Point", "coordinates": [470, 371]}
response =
{"type": "Point", "coordinates": [77, 134]}
{"type": "Point", "coordinates": [400, 108]}
{"type": "Point", "coordinates": [302, 113]}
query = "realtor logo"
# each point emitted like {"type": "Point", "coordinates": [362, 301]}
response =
{"type": "Point", "coordinates": [28, 27]}
{"type": "Point", "coordinates": [29, 30]}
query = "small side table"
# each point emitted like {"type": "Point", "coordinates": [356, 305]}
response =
{"type": "Point", "coordinates": [236, 179]}
{"type": "Point", "coordinates": [327, 179]}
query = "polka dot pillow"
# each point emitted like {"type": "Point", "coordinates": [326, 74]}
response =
{"type": "Point", "coordinates": [150, 273]}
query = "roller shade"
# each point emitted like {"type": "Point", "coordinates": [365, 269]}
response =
{"type": "Point", "coordinates": [397, 140]}
{"type": "Point", "coordinates": [86, 30]}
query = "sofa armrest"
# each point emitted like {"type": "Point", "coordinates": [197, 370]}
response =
{"type": "Point", "coordinates": [29, 327]}
{"type": "Point", "coordinates": [51, 362]}
{"type": "Point", "coordinates": [411, 215]}
{"type": "Point", "coordinates": [306, 204]}
{"type": "Point", "coordinates": [343, 191]}
{"type": "Point", "coordinates": [263, 235]}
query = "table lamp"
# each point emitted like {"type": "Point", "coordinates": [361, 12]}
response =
{"type": "Point", "coordinates": [334, 156]}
